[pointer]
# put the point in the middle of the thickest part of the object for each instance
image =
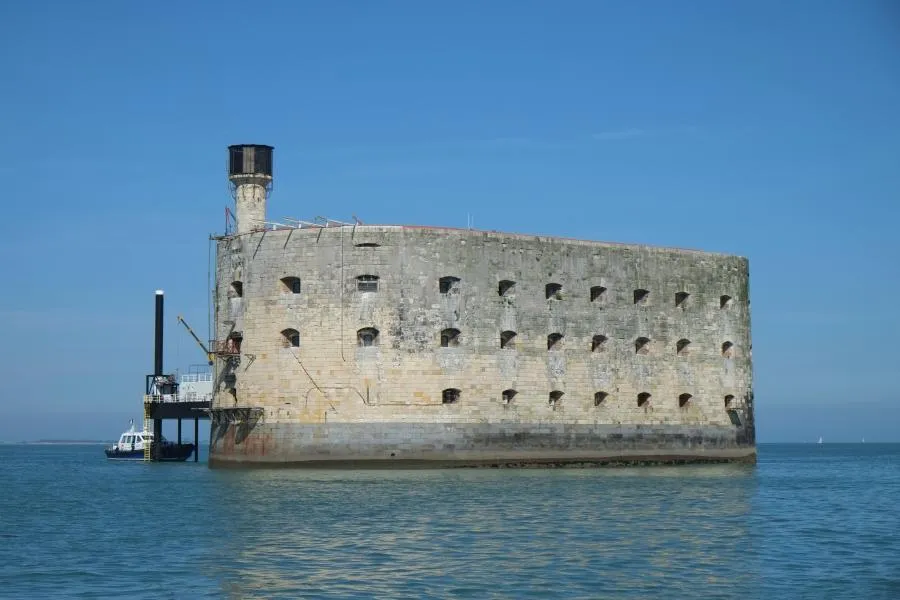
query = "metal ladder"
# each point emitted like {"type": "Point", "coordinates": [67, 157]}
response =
{"type": "Point", "coordinates": [148, 424]}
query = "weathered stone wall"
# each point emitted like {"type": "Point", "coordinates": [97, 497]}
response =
{"type": "Point", "coordinates": [331, 379]}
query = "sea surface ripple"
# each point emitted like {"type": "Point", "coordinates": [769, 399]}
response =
{"type": "Point", "coordinates": [809, 521]}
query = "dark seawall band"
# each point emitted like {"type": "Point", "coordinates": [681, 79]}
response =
{"type": "Point", "coordinates": [407, 445]}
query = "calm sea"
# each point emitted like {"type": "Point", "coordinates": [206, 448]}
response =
{"type": "Point", "coordinates": [808, 521]}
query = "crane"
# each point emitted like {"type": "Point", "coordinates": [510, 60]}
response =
{"type": "Point", "coordinates": [209, 355]}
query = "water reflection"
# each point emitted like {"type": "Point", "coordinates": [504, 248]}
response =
{"type": "Point", "coordinates": [484, 533]}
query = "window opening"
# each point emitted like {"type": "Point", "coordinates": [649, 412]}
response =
{"type": "Point", "coordinates": [508, 396]}
{"type": "Point", "coordinates": [598, 343]}
{"type": "Point", "coordinates": [643, 399]}
{"type": "Point", "coordinates": [506, 287]}
{"type": "Point", "coordinates": [553, 291]}
{"type": "Point", "coordinates": [508, 340]}
{"type": "Point", "coordinates": [642, 345]}
{"type": "Point", "coordinates": [681, 347]}
{"type": "Point", "coordinates": [553, 341]}
{"type": "Point", "coordinates": [367, 245]}
{"type": "Point", "coordinates": [237, 289]}
{"type": "Point", "coordinates": [728, 350]}
{"type": "Point", "coordinates": [292, 284]}
{"type": "Point", "coordinates": [450, 396]}
{"type": "Point", "coordinates": [367, 283]}
{"type": "Point", "coordinates": [598, 292]}
{"type": "Point", "coordinates": [448, 284]}
{"type": "Point", "coordinates": [641, 296]}
{"type": "Point", "coordinates": [681, 299]}
{"type": "Point", "coordinates": [729, 399]}
{"type": "Point", "coordinates": [291, 338]}
{"type": "Point", "coordinates": [367, 336]}
{"type": "Point", "coordinates": [450, 338]}
{"type": "Point", "coordinates": [556, 398]}
{"type": "Point", "coordinates": [684, 399]}
{"type": "Point", "coordinates": [724, 301]}
{"type": "Point", "coordinates": [600, 398]}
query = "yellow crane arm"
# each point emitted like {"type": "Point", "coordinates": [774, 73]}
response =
{"type": "Point", "coordinates": [209, 356]}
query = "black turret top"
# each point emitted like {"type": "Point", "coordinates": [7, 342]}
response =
{"type": "Point", "coordinates": [249, 159]}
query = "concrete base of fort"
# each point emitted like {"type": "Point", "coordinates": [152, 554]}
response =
{"type": "Point", "coordinates": [417, 445]}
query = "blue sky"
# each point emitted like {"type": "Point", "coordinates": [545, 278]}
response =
{"type": "Point", "coordinates": [765, 129]}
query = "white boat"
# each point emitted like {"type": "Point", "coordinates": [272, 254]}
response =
{"type": "Point", "coordinates": [132, 443]}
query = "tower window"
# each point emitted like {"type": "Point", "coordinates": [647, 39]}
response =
{"type": "Point", "coordinates": [598, 343]}
{"type": "Point", "coordinates": [682, 346]}
{"type": "Point", "coordinates": [684, 399]}
{"type": "Point", "coordinates": [729, 400]}
{"type": "Point", "coordinates": [367, 245]}
{"type": "Point", "coordinates": [554, 341]}
{"type": "Point", "coordinates": [367, 283]}
{"type": "Point", "coordinates": [642, 345]}
{"type": "Point", "coordinates": [291, 284]}
{"type": "Point", "coordinates": [681, 299]}
{"type": "Point", "coordinates": [556, 398]}
{"type": "Point", "coordinates": [553, 291]}
{"type": "Point", "coordinates": [643, 399]}
{"type": "Point", "coordinates": [600, 398]}
{"type": "Point", "coordinates": [450, 396]}
{"type": "Point", "coordinates": [508, 396]}
{"type": "Point", "coordinates": [728, 350]}
{"type": "Point", "coordinates": [448, 285]}
{"type": "Point", "coordinates": [598, 292]}
{"type": "Point", "coordinates": [508, 340]}
{"type": "Point", "coordinates": [724, 301]}
{"type": "Point", "coordinates": [237, 289]}
{"type": "Point", "coordinates": [506, 287]}
{"type": "Point", "coordinates": [291, 338]}
{"type": "Point", "coordinates": [367, 336]}
{"type": "Point", "coordinates": [449, 338]}
{"type": "Point", "coordinates": [641, 296]}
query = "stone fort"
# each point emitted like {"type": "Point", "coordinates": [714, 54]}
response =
{"type": "Point", "coordinates": [353, 344]}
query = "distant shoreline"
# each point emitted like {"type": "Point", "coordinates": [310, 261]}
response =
{"type": "Point", "coordinates": [63, 442]}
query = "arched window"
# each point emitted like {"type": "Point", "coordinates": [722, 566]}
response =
{"type": "Point", "coordinates": [450, 396]}
{"type": "Point", "coordinates": [598, 343]}
{"type": "Point", "coordinates": [729, 400]}
{"type": "Point", "coordinates": [553, 291]}
{"type": "Point", "coordinates": [727, 349]}
{"type": "Point", "coordinates": [237, 289]}
{"type": "Point", "coordinates": [598, 292]}
{"type": "Point", "coordinates": [367, 336]}
{"type": "Point", "coordinates": [508, 396]}
{"type": "Point", "coordinates": [643, 399]}
{"type": "Point", "coordinates": [641, 295]}
{"type": "Point", "coordinates": [684, 399]}
{"type": "Point", "coordinates": [448, 285]}
{"type": "Point", "coordinates": [642, 345]}
{"type": "Point", "coordinates": [367, 283]}
{"type": "Point", "coordinates": [291, 284]}
{"type": "Point", "coordinates": [556, 398]}
{"type": "Point", "coordinates": [291, 338]}
{"type": "Point", "coordinates": [681, 299]}
{"type": "Point", "coordinates": [682, 347]}
{"type": "Point", "coordinates": [724, 301]}
{"type": "Point", "coordinates": [554, 341]}
{"type": "Point", "coordinates": [506, 287]}
{"type": "Point", "coordinates": [508, 340]}
{"type": "Point", "coordinates": [600, 398]}
{"type": "Point", "coordinates": [449, 338]}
